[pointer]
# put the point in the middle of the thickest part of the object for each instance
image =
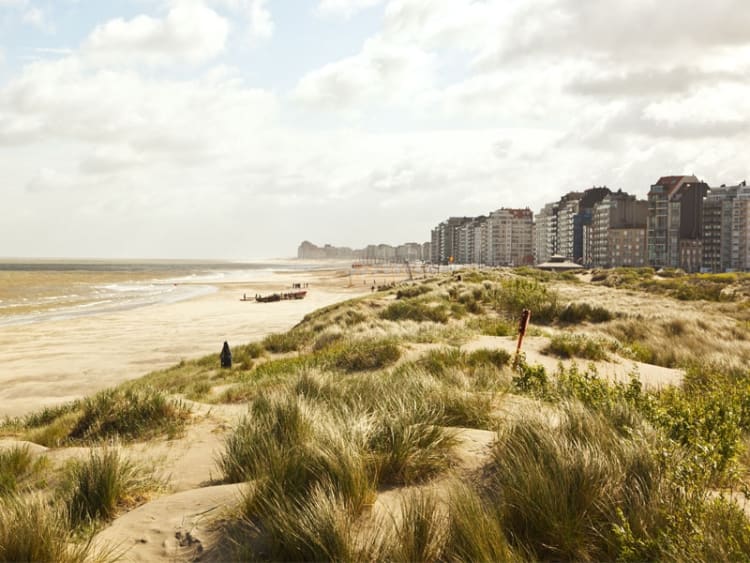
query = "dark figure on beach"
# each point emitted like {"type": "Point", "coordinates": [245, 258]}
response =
{"type": "Point", "coordinates": [226, 356]}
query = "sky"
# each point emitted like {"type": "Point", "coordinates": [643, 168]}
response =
{"type": "Point", "coordinates": [235, 129]}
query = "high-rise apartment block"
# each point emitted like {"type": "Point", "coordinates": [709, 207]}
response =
{"type": "Point", "coordinates": [504, 238]}
{"type": "Point", "coordinates": [725, 228]}
{"type": "Point", "coordinates": [682, 224]}
{"type": "Point", "coordinates": [545, 233]}
{"type": "Point", "coordinates": [561, 226]}
{"type": "Point", "coordinates": [617, 233]}
{"type": "Point", "coordinates": [510, 237]}
{"type": "Point", "coordinates": [675, 223]}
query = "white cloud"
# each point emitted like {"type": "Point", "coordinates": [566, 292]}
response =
{"type": "Point", "coordinates": [191, 32]}
{"type": "Point", "coordinates": [257, 14]}
{"type": "Point", "coordinates": [261, 23]}
{"type": "Point", "coordinates": [344, 8]}
{"type": "Point", "coordinates": [50, 179]}
{"type": "Point", "coordinates": [381, 73]}
{"type": "Point", "coordinates": [36, 17]}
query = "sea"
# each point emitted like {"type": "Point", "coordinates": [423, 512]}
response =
{"type": "Point", "coordinates": [34, 290]}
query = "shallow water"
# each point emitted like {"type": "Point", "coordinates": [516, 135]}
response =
{"type": "Point", "coordinates": [34, 291]}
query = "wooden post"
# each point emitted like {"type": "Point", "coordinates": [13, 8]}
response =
{"type": "Point", "coordinates": [523, 325]}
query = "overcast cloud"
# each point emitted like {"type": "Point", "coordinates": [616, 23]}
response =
{"type": "Point", "coordinates": [238, 128]}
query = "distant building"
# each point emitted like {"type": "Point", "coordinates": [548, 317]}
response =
{"type": "Point", "coordinates": [411, 251]}
{"type": "Point", "coordinates": [725, 233]}
{"type": "Point", "coordinates": [675, 222]}
{"type": "Point", "coordinates": [426, 250]}
{"type": "Point", "coordinates": [617, 233]}
{"type": "Point", "coordinates": [446, 240]}
{"type": "Point", "coordinates": [545, 233]}
{"type": "Point", "coordinates": [510, 237]}
{"type": "Point", "coordinates": [565, 233]}
{"type": "Point", "coordinates": [561, 227]}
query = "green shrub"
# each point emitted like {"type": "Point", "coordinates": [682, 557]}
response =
{"type": "Point", "coordinates": [530, 379]}
{"type": "Point", "coordinates": [520, 293]}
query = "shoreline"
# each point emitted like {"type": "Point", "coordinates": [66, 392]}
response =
{"type": "Point", "coordinates": [52, 362]}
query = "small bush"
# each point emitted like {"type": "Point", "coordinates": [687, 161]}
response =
{"type": "Point", "coordinates": [56, 433]}
{"type": "Point", "coordinates": [326, 339]}
{"type": "Point", "coordinates": [521, 293]}
{"type": "Point", "coordinates": [49, 414]}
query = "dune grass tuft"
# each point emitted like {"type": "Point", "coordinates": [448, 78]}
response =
{"type": "Point", "coordinates": [18, 467]}
{"type": "Point", "coordinates": [129, 414]}
{"type": "Point", "coordinates": [563, 487]}
{"type": "Point", "coordinates": [105, 482]}
{"type": "Point", "coordinates": [31, 529]}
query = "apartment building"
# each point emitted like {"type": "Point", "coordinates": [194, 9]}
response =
{"type": "Point", "coordinates": [675, 222]}
{"type": "Point", "coordinates": [565, 233]}
{"type": "Point", "coordinates": [510, 237]}
{"type": "Point", "coordinates": [725, 235]}
{"type": "Point", "coordinates": [447, 240]}
{"type": "Point", "coordinates": [545, 233]}
{"type": "Point", "coordinates": [617, 233]}
{"type": "Point", "coordinates": [504, 238]}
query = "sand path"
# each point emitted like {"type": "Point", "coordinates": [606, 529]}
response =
{"type": "Point", "coordinates": [171, 528]}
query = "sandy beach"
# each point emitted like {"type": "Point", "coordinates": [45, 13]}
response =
{"type": "Point", "coordinates": [50, 362]}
